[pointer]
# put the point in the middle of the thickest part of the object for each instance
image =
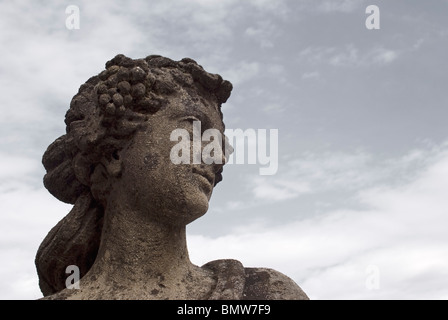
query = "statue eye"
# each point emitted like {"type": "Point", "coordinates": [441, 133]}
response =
{"type": "Point", "coordinates": [191, 119]}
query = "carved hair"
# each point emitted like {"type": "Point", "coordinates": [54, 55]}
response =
{"type": "Point", "coordinates": [105, 113]}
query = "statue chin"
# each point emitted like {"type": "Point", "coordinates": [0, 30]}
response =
{"type": "Point", "coordinates": [195, 206]}
{"type": "Point", "coordinates": [184, 214]}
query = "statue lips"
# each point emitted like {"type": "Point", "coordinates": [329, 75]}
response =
{"type": "Point", "coordinates": [207, 178]}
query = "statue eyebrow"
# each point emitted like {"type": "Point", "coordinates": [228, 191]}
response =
{"type": "Point", "coordinates": [202, 117]}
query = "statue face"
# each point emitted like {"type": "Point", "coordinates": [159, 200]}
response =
{"type": "Point", "coordinates": [151, 182]}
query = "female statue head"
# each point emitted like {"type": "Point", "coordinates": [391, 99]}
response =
{"type": "Point", "coordinates": [131, 108]}
{"type": "Point", "coordinates": [126, 231]}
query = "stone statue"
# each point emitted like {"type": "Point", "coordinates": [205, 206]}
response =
{"type": "Point", "coordinates": [126, 231]}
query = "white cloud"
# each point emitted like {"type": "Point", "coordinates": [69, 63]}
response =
{"type": "Point", "coordinates": [276, 69]}
{"type": "Point", "coordinates": [276, 189]}
{"type": "Point", "coordinates": [311, 75]}
{"type": "Point", "coordinates": [271, 108]}
{"type": "Point", "coordinates": [27, 216]}
{"type": "Point", "coordinates": [276, 8]}
{"type": "Point", "coordinates": [262, 32]}
{"type": "Point", "coordinates": [339, 172]}
{"type": "Point", "coordinates": [344, 6]}
{"type": "Point", "coordinates": [242, 72]}
{"type": "Point", "coordinates": [348, 56]}
{"type": "Point", "coordinates": [335, 170]}
{"type": "Point", "coordinates": [384, 56]}
{"type": "Point", "coordinates": [358, 169]}
{"type": "Point", "coordinates": [16, 170]}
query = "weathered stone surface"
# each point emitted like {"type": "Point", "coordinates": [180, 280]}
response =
{"type": "Point", "coordinates": [126, 231]}
{"type": "Point", "coordinates": [234, 282]}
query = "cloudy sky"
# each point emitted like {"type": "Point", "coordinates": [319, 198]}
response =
{"type": "Point", "coordinates": [358, 207]}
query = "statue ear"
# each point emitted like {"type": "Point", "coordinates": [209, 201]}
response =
{"type": "Point", "coordinates": [107, 167]}
{"type": "Point", "coordinates": [82, 169]}
{"type": "Point", "coordinates": [113, 165]}
{"type": "Point", "coordinates": [100, 179]}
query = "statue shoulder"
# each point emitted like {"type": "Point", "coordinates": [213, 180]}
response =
{"type": "Point", "coordinates": [269, 284]}
{"type": "Point", "coordinates": [234, 281]}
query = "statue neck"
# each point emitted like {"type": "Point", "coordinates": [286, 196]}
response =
{"type": "Point", "coordinates": [142, 258]}
{"type": "Point", "coordinates": [135, 248]}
